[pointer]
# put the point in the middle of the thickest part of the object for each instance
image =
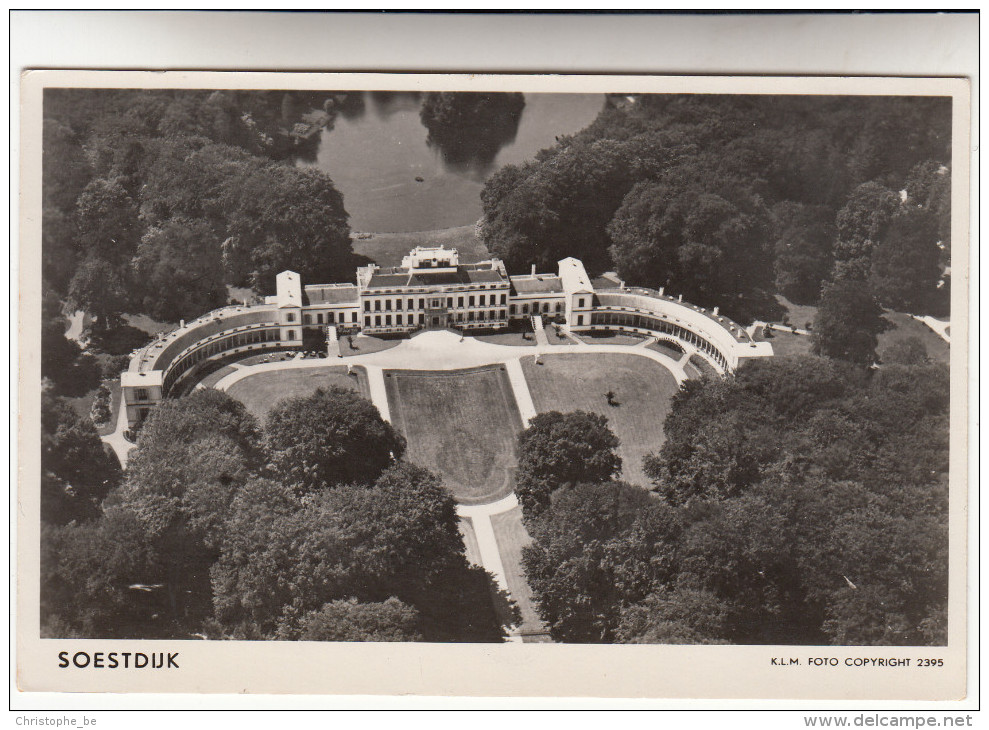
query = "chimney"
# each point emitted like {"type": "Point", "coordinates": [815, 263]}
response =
{"type": "Point", "coordinates": [181, 323]}
{"type": "Point", "coordinates": [715, 311]}
{"type": "Point", "coordinates": [661, 290]}
{"type": "Point", "coordinates": [680, 297]}
{"type": "Point", "coordinates": [533, 273]}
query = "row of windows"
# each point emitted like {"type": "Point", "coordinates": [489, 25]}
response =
{"type": "Point", "coordinates": [397, 305]}
{"type": "Point", "coordinates": [639, 321]}
{"type": "Point", "coordinates": [525, 309]}
{"type": "Point", "coordinates": [410, 319]}
{"type": "Point", "coordinates": [330, 318]}
{"type": "Point", "coordinates": [241, 339]}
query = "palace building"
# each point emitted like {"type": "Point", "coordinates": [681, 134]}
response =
{"type": "Point", "coordinates": [430, 290]}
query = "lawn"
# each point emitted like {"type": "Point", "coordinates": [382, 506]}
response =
{"type": "Point", "coordinates": [388, 249]}
{"type": "Point", "coordinates": [512, 537]}
{"type": "Point", "coordinates": [461, 424]}
{"type": "Point", "coordinates": [470, 540]}
{"type": "Point", "coordinates": [216, 376]}
{"type": "Point", "coordinates": [83, 405]}
{"type": "Point", "coordinates": [798, 315]}
{"type": "Point", "coordinates": [604, 337]}
{"type": "Point", "coordinates": [509, 338]}
{"type": "Point", "coordinates": [703, 366]}
{"type": "Point", "coordinates": [785, 343]}
{"type": "Point", "coordinates": [365, 344]}
{"type": "Point", "coordinates": [642, 387]}
{"type": "Point", "coordinates": [667, 349]}
{"type": "Point", "coordinates": [259, 392]}
{"type": "Point", "coordinates": [906, 326]}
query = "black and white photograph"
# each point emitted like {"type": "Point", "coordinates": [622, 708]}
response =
{"type": "Point", "coordinates": [344, 365]}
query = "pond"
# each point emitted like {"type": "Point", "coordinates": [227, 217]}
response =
{"type": "Point", "coordinates": [392, 180]}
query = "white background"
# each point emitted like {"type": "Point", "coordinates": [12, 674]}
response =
{"type": "Point", "coordinates": [901, 45]}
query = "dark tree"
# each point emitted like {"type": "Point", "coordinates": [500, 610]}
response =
{"type": "Point", "coordinates": [559, 449]}
{"type": "Point", "coordinates": [861, 224]}
{"type": "Point", "coordinates": [929, 186]}
{"type": "Point", "coordinates": [76, 471]}
{"type": "Point", "coordinates": [597, 548]}
{"type": "Point", "coordinates": [675, 616]}
{"type": "Point", "coordinates": [849, 322]}
{"type": "Point", "coordinates": [194, 455]}
{"type": "Point", "coordinates": [180, 267]}
{"type": "Point", "coordinates": [804, 239]}
{"type": "Point", "coordinates": [908, 351]}
{"type": "Point", "coordinates": [333, 436]}
{"type": "Point", "coordinates": [97, 580]}
{"type": "Point", "coordinates": [348, 620]}
{"type": "Point", "coordinates": [102, 289]}
{"type": "Point", "coordinates": [471, 127]}
{"type": "Point", "coordinates": [284, 558]}
{"type": "Point", "coordinates": [906, 261]}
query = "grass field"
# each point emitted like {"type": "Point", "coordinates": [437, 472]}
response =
{"type": "Point", "coordinates": [259, 392]}
{"type": "Point", "coordinates": [666, 348]}
{"type": "Point", "coordinates": [703, 366]}
{"type": "Point", "coordinates": [387, 249]}
{"type": "Point", "coordinates": [906, 326]}
{"type": "Point", "coordinates": [512, 537]}
{"type": "Point", "coordinates": [785, 343]}
{"type": "Point", "coordinates": [461, 424]}
{"type": "Point", "coordinates": [83, 405]}
{"type": "Point", "coordinates": [470, 540]}
{"type": "Point", "coordinates": [365, 344]}
{"type": "Point", "coordinates": [642, 388]}
{"type": "Point", "coordinates": [610, 338]}
{"type": "Point", "coordinates": [216, 376]}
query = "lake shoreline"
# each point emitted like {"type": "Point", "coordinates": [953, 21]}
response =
{"type": "Point", "coordinates": [387, 248]}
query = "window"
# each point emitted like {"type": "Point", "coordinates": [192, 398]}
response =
{"type": "Point", "coordinates": [387, 320]}
{"type": "Point", "coordinates": [503, 300]}
{"type": "Point", "coordinates": [319, 318]}
{"type": "Point", "coordinates": [353, 317]}
{"type": "Point", "coordinates": [545, 306]}
{"type": "Point", "coordinates": [422, 317]}
{"type": "Point", "coordinates": [306, 319]}
{"type": "Point", "coordinates": [480, 300]}
{"type": "Point", "coordinates": [559, 306]}
{"type": "Point", "coordinates": [410, 319]}
{"type": "Point", "coordinates": [142, 394]}
{"type": "Point", "coordinates": [422, 305]}
{"type": "Point", "coordinates": [580, 302]}
{"type": "Point", "coordinates": [411, 303]}
{"type": "Point", "coordinates": [290, 317]}
{"type": "Point", "coordinates": [525, 309]}
{"type": "Point", "coordinates": [449, 302]}
{"type": "Point", "coordinates": [367, 306]}
{"type": "Point", "coordinates": [511, 309]}
{"type": "Point", "coordinates": [503, 314]}
{"type": "Point", "coordinates": [460, 301]}
{"type": "Point", "coordinates": [377, 320]}
{"type": "Point", "coordinates": [367, 321]}
{"type": "Point", "coordinates": [291, 334]}
{"type": "Point", "coordinates": [436, 303]}
{"type": "Point", "coordinates": [580, 319]}
{"type": "Point", "coordinates": [377, 305]}
{"type": "Point", "coordinates": [470, 301]}
{"type": "Point", "coordinates": [387, 305]}
{"type": "Point", "coordinates": [398, 304]}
